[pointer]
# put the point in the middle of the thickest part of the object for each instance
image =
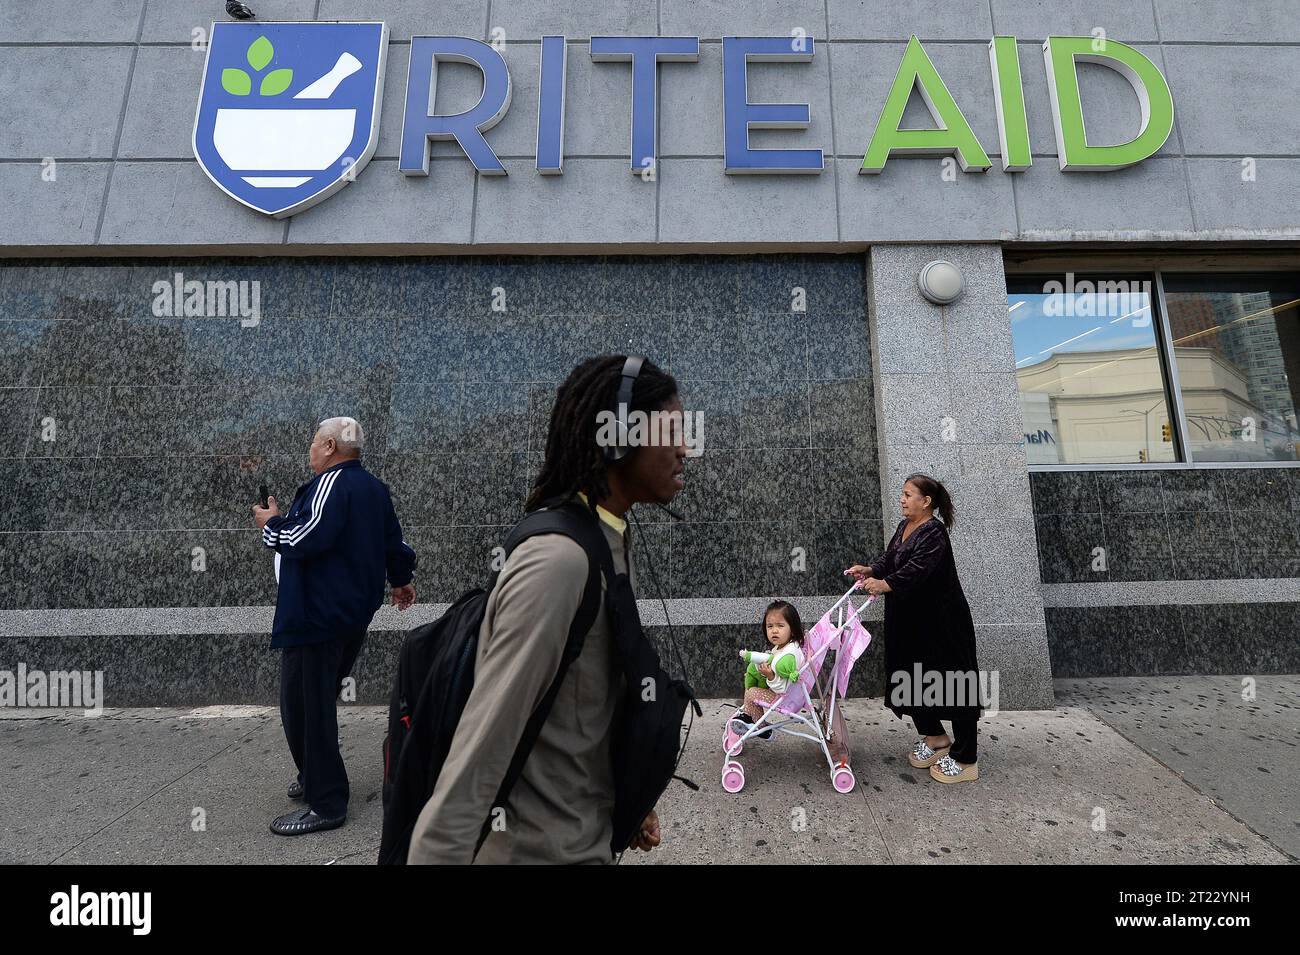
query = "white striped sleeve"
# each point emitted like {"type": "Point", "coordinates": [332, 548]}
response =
{"type": "Point", "coordinates": [296, 534]}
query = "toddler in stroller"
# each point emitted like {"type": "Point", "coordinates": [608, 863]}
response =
{"type": "Point", "coordinates": [785, 692]}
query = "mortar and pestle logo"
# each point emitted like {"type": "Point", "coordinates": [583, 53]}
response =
{"type": "Point", "coordinates": [270, 139]}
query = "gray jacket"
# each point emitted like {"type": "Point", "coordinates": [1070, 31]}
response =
{"type": "Point", "coordinates": [561, 809]}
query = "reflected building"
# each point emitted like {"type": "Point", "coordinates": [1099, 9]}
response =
{"type": "Point", "coordinates": [1243, 329]}
{"type": "Point", "coordinates": [1105, 407]}
{"type": "Point", "coordinates": [1109, 407]}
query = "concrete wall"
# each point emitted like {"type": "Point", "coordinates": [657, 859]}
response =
{"type": "Point", "coordinates": [947, 405]}
{"type": "Point", "coordinates": [108, 88]}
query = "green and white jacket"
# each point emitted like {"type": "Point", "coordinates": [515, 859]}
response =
{"type": "Point", "coordinates": [786, 663]}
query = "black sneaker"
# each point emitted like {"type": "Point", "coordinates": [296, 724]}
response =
{"type": "Point", "coordinates": [295, 789]}
{"type": "Point", "coordinates": [302, 821]}
{"type": "Point", "coordinates": [749, 720]}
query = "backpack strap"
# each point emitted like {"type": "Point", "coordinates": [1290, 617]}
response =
{"type": "Point", "coordinates": [577, 523]}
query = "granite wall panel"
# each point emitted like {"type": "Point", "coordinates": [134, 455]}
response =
{"type": "Point", "coordinates": [1171, 526]}
{"type": "Point", "coordinates": [1183, 524]}
{"type": "Point", "coordinates": [186, 669]}
{"type": "Point", "coordinates": [1166, 640]}
{"type": "Point", "coordinates": [166, 419]}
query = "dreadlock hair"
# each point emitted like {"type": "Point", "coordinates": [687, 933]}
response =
{"type": "Point", "coordinates": [574, 460]}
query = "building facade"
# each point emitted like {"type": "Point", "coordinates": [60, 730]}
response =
{"type": "Point", "coordinates": [213, 237]}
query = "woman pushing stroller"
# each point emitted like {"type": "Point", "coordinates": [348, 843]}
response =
{"type": "Point", "coordinates": [929, 639]}
{"type": "Point", "coordinates": [928, 632]}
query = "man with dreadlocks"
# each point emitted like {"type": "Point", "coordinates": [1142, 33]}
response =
{"type": "Point", "coordinates": [561, 808]}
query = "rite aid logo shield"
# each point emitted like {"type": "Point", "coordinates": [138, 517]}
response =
{"type": "Point", "coordinates": [289, 112]}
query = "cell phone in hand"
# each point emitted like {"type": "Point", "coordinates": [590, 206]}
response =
{"type": "Point", "coordinates": [264, 495]}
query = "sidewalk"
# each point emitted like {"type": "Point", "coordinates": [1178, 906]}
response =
{"type": "Point", "coordinates": [200, 786]}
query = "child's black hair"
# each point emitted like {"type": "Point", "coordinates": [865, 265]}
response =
{"type": "Point", "coordinates": [791, 617]}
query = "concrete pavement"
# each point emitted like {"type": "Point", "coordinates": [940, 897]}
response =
{"type": "Point", "coordinates": [1243, 753]}
{"type": "Point", "coordinates": [1071, 785]}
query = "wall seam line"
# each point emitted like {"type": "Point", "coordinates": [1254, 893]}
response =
{"type": "Point", "coordinates": [473, 202]}
{"type": "Point", "coordinates": [121, 121]}
{"type": "Point", "coordinates": [830, 105]}
{"type": "Point", "coordinates": [659, 29]}
{"type": "Point", "coordinates": [1178, 129]}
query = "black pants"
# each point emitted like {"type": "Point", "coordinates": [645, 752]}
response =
{"type": "Point", "coordinates": [965, 734]}
{"type": "Point", "coordinates": [310, 678]}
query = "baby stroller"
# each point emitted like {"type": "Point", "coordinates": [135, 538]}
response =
{"type": "Point", "coordinates": [798, 712]}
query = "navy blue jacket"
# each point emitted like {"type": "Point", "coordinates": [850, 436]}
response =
{"type": "Point", "coordinates": [339, 540]}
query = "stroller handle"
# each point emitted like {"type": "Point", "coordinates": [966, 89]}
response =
{"type": "Point", "coordinates": [841, 623]}
{"type": "Point", "coordinates": [849, 593]}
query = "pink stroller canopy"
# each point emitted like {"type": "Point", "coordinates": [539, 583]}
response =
{"type": "Point", "coordinates": [853, 641]}
{"type": "Point", "coordinates": [848, 640]}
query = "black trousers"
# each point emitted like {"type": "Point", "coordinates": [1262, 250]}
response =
{"type": "Point", "coordinates": [965, 735]}
{"type": "Point", "coordinates": [310, 679]}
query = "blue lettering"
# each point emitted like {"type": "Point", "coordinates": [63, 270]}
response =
{"type": "Point", "coordinates": [645, 52]}
{"type": "Point", "coordinates": [550, 106]}
{"type": "Point", "coordinates": [420, 124]}
{"type": "Point", "coordinates": [740, 115]}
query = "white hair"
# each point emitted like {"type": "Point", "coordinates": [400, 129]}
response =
{"type": "Point", "coordinates": [346, 432]}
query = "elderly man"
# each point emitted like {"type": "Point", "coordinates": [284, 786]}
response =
{"type": "Point", "coordinates": [339, 540]}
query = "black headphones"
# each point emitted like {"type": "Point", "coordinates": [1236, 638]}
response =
{"type": "Point", "coordinates": [619, 449]}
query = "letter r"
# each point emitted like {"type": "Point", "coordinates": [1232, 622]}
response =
{"type": "Point", "coordinates": [420, 124]}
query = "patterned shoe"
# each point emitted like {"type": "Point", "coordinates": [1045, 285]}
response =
{"type": "Point", "coordinates": [295, 790]}
{"type": "Point", "coordinates": [947, 770]}
{"type": "Point", "coordinates": [922, 755]}
{"type": "Point", "coordinates": [302, 821]}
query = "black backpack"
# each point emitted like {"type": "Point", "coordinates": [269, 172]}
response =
{"type": "Point", "coordinates": [435, 674]}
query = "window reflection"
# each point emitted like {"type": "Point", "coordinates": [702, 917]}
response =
{"type": "Point", "coordinates": [1237, 346]}
{"type": "Point", "coordinates": [1089, 374]}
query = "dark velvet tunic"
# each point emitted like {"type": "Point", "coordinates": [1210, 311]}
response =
{"type": "Point", "coordinates": [927, 618]}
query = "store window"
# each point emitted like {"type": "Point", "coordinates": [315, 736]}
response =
{"type": "Point", "coordinates": [1092, 389]}
{"type": "Point", "coordinates": [1236, 344]}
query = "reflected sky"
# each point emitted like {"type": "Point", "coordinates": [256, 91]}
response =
{"type": "Point", "coordinates": [1040, 330]}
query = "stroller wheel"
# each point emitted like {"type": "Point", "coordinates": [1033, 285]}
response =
{"type": "Point", "coordinates": [731, 744]}
{"type": "Point", "coordinates": [843, 780]}
{"type": "Point", "coordinates": [733, 777]}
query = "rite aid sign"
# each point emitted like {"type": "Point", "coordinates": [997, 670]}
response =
{"type": "Point", "coordinates": [289, 112]}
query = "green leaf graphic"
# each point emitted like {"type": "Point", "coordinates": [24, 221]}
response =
{"type": "Point", "coordinates": [236, 82]}
{"type": "Point", "coordinates": [277, 81]}
{"type": "Point", "coordinates": [260, 53]}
